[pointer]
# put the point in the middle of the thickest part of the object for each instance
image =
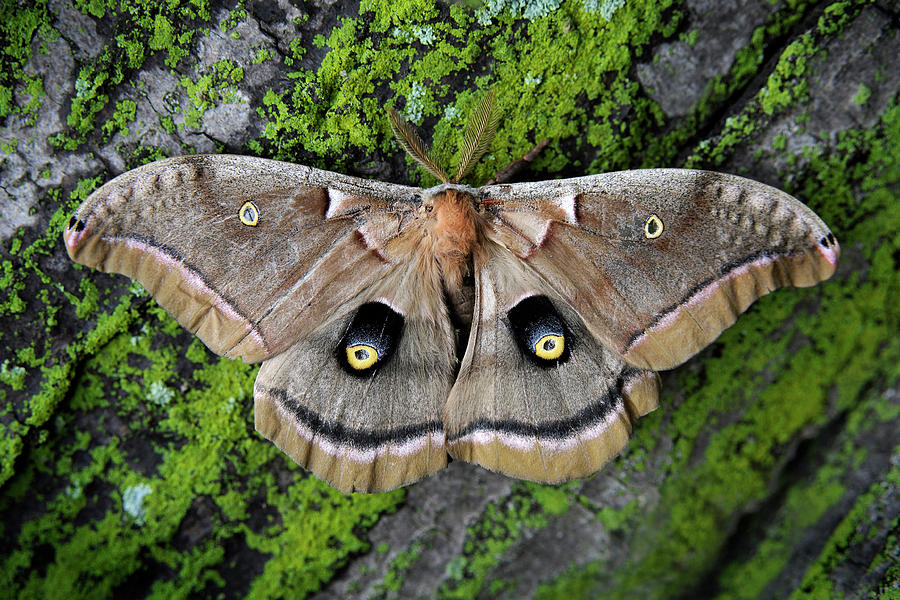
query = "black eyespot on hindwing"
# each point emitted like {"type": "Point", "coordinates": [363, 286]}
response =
{"type": "Point", "coordinates": [371, 338]}
{"type": "Point", "coordinates": [540, 331]}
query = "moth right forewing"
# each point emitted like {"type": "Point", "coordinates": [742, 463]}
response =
{"type": "Point", "coordinates": [658, 262]}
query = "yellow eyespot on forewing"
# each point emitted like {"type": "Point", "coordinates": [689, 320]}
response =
{"type": "Point", "coordinates": [361, 356]}
{"type": "Point", "coordinates": [653, 227]}
{"type": "Point", "coordinates": [550, 347]}
{"type": "Point", "coordinates": [249, 214]}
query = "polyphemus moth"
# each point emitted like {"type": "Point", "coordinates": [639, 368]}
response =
{"type": "Point", "coordinates": [517, 326]}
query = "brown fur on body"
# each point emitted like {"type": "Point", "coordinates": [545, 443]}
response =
{"type": "Point", "coordinates": [454, 232]}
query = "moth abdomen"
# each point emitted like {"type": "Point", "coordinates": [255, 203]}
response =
{"type": "Point", "coordinates": [540, 331]}
{"type": "Point", "coordinates": [370, 340]}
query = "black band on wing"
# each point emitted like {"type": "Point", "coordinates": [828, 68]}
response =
{"type": "Point", "coordinates": [595, 412]}
{"type": "Point", "coordinates": [370, 340]}
{"type": "Point", "coordinates": [339, 434]}
{"type": "Point", "coordinates": [539, 331]}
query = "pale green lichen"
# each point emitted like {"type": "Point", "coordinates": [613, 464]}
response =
{"type": "Point", "coordinates": [158, 393]}
{"type": "Point", "coordinates": [133, 501]}
{"type": "Point", "coordinates": [606, 8]}
{"type": "Point", "coordinates": [527, 9]}
{"type": "Point", "coordinates": [423, 34]}
{"type": "Point", "coordinates": [415, 103]}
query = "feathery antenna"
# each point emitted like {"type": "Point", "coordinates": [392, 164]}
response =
{"type": "Point", "coordinates": [479, 134]}
{"type": "Point", "coordinates": [414, 145]}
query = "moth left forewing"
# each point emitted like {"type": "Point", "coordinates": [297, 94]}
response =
{"type": "Point", "coordinates": [659, 262]}
{"type": "Point", "coordinates": [545, 419]}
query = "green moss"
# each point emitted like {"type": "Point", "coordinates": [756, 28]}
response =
{"type": "Point", "coordinates": [779, 142]}
{"type": "Point", "coordinates": [21, 28]}
{"type": "Point", "coordinates": [335, 107]}
{"type": "Point", "coordinates": [52, 377]}
{"type": "Point", "coordinates": [205, 448]}
{"type": "Point", "coordinates": [400, 565]}
{"type": "Point", "coordinates": [863, 522]}
{"type": "Point", "coordinates": [863, 93]}
{"type": "Point", "coordinates": [552, 500]}
{"type": "Point", "coordinates": [618, 519]}
{"type": "Point", "coordinates": [56, 382]}
{"type": "Point", "coordinates": [168, 124]}
{"type": "Point", "coordinates": [236, 15]}
{"type": "Point", "coordinates": [801, 509]}
{"type": "Point", "coordinates": [124, 114]}
{"type": "Point", "coordinates": [786, 86]}
{"type": "Point", "coordinates": [690, 38]}
{"type": "Point", "coordinates": [662, 150]}
{"type": "Point", "coordinates": [529, 507]}
{"type": "Point", "coordinates": [11, 284]}
{"type": "Point", "coordinates": [89, 300]}
{"type": "Point", "coordinates": [262, 55]}
{"type": "Point", "coordinates": [9, 146]}
{"type": "Point", "coordinates": [143, 27]}
{"type": "Point", "coordinates": [213, 87]}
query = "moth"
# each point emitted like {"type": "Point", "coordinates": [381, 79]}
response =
{"type": "Point", "coordinates": [516, 326]}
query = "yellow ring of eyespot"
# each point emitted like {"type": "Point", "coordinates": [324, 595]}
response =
{"type": "Point", "coordinates": [659, 227]}
{"type": "Point", "coordinates": [361, 363]}
{"type": "Point", "coordinates": [559, 344]}
{"type": "Point", "coordinates": [249, 207]}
